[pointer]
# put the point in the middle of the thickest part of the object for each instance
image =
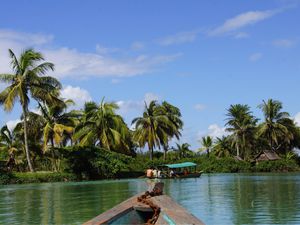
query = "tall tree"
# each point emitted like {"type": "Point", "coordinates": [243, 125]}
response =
{"type": "Point", "coordinates": [222, 147]}
{"type": "Point", "coordinates": [173, 127]}
{"type": "Point", "coordinates": [57, 125]}
{"type": "Point", "coordinates": [28, 80]}
{"type": "Point", "coordinates": [10, 146]}
{"type": "Point", "coordinates": [57, 122]}
{"type": "Point", "coordinates": [241, 123]}
{"type": "Point", "coordinates": [207, 143]}
{"type": "Point", "coordinates": [183, 150]}
{"type": "Point", "coordinates": [275, 125]}
{"type": "Point", "coordinates": [152, 127]}
{"type": "Point", "coordinates": [103, 127]}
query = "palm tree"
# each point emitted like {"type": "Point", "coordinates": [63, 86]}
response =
{"type": "Point", "coordinates": [183, 150]}
{"type": "Point", "coordinates": [274, 127]}
{"type": "Point", "coordinates": [103, 127]}
{"type": "Point", "coordinates": [241, 123]}
{"type": "Point", "coordinates": [152, 128]}
{"type": "Point", "coordinates": [10, 146]}
{"type": "Point", "coordinates": [57, 124]}
{"type": "Point", "coordinates": [173, 130]}
{"type": "Point", "coordinates": [222, 147]}
{"type": "Point", "coordinates": [28, 79]}
{"type": "Point", "coordinates": [207, 143]}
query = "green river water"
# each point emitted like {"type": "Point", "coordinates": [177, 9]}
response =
{"type": "Point", "coordinates": [214, 198]}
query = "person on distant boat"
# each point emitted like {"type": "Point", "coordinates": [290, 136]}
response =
{"type": "Point", "coordinates": [159, 175]}
{"type": "Point", "coordinates": [185, 172]}
{"type": "Point", "coordinates": [149, 173]}
{"type": "Point", "coordinates": [172, 173]}
{"type": "Point", "coordinates": [155, 173]}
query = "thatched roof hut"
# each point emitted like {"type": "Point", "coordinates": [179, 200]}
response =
{"type": "Point", "coordinates": [266, 155]}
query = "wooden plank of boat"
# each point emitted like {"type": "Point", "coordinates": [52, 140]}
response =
{"type": "Point", "coordinates": [115, 212]}
{"type": "Point", "coordinates": [171, 213]}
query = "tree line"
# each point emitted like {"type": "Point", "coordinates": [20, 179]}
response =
{"type": "Point", "coordinates": [36, 141]}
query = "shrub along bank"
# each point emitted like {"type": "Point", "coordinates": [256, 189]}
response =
{"type": "Point", "coordinates": [93, 163]}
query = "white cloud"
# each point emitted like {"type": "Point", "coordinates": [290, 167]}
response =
{"type": "Point", "coordinates": [115, 81]}
{"type": "Point", "coordinates": [77, 94]}
{"type": "Point", "coordinates": [11, 124]}
{"type": "Point", "coordinates": [129, 105]}
{"type": "Point", "coordinates": [125, 106]}
{"type": "Point", "coordinates": [200, 107]}
{"type": "Point", "coordinates": [297, 118]}
{"type": "Point", "coordinates": [151, 97]}
{"type": "Point", "coordinates": [137, 45]}
{"type": "Point", "coordinates": [214, 130]}
{"type": "Point", "coordinates": [255, 56]}
{"type": "Point", "coordinates": [284, 43]}
{"type": "Point", "coordinates": [104, 50]}
{"type": "Point", "coordinates": [242, 20]}
{"type": "Point", "coordinates": [75, 64]}
{"type": "Point", "coordinates": [241, 35]}
{"type": "Point", "coordinates": [179, 38]}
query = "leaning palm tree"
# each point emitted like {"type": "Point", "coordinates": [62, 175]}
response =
{"type": "Point", "coordinates": [207, 143]}
{"type": "Point", "coordinates": [152, 128]}
{"type": "Point", "coordinates": [28, 80]}
{"type": "Point", "coordinates": [275, 125]}
{"type": "Point", "coordinates": [103, 127]}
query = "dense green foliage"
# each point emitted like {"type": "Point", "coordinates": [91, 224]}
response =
{"type": "Point", "coordinates": [95, 142]}
{"type": "Point", "coordinates": [37, 177]}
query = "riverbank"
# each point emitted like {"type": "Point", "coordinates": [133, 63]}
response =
{"type": "Point", "coordinates": [136, 167]}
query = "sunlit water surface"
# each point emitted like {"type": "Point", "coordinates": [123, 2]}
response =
{"type": "Point", "coordinates": [215, 199]}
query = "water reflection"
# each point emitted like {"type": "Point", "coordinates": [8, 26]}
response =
{"type": "Point", "coordinates": [215, 199]}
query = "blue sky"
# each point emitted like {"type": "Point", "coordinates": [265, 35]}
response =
{"type": "Point", "coordinates": [201, 56]}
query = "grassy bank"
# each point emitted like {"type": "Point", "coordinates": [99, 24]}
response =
{"type": "Point", "coordinates": [36, 177]}
{"type": "Point", "coordinates": [222, 165]}
{"type": "Point", "coordinates": [87, 165]}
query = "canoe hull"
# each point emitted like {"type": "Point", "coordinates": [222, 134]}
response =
{"type": "Point", "coordinates": [133, 212]}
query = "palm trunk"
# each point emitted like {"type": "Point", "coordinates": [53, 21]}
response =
{"type": "Point", "coordinates": [26, 140]}
{"type": "Point", "coordinates": [151, 153]}
{"type": "Point", "coordinates": [165, 152]}
{"type": "Point", "coordinates": [237, 150]}
{"type": "Point", "coordinates": [207, 150]}
{"type": "Point", "coordinates": [53, 156]}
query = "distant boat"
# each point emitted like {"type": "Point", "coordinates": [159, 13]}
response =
{"type": "Point", "coordinates": [177, 170]}
{"type": "Point", "coordinates": [151, 207]}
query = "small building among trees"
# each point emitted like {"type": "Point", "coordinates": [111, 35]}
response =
{"type": "Point", "coordinates": [266, 155]}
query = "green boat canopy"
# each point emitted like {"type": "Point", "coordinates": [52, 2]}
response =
{"type": "Point", "coordinates": [181, 165]}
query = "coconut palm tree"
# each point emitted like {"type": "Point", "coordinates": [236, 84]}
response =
{"type": "Point", "coordinates": [183, 150]}
{"type": "Point", "coordinates": [174, 127]}
{"type": "Point", "coordinates": [103, 127]}
{"type": "Point", "coordinates": [207, 143]}
{"type": "Point", "coordinates": [10, 146]}
{"type": "Point", "coordinates": [241, 123]}
{"type": "Point", "coordinates": [153, 128]}
{"type": "Point", "coordinates": [58, 122]}
{"type": "Point", "coordinates": [222, 147]}
{"type": "Point", "coordinates": [275, 126]}
{"type": "Point", "coordinates": [57, 125]}
{"type": "Point", "coordinates": [28, 80]}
